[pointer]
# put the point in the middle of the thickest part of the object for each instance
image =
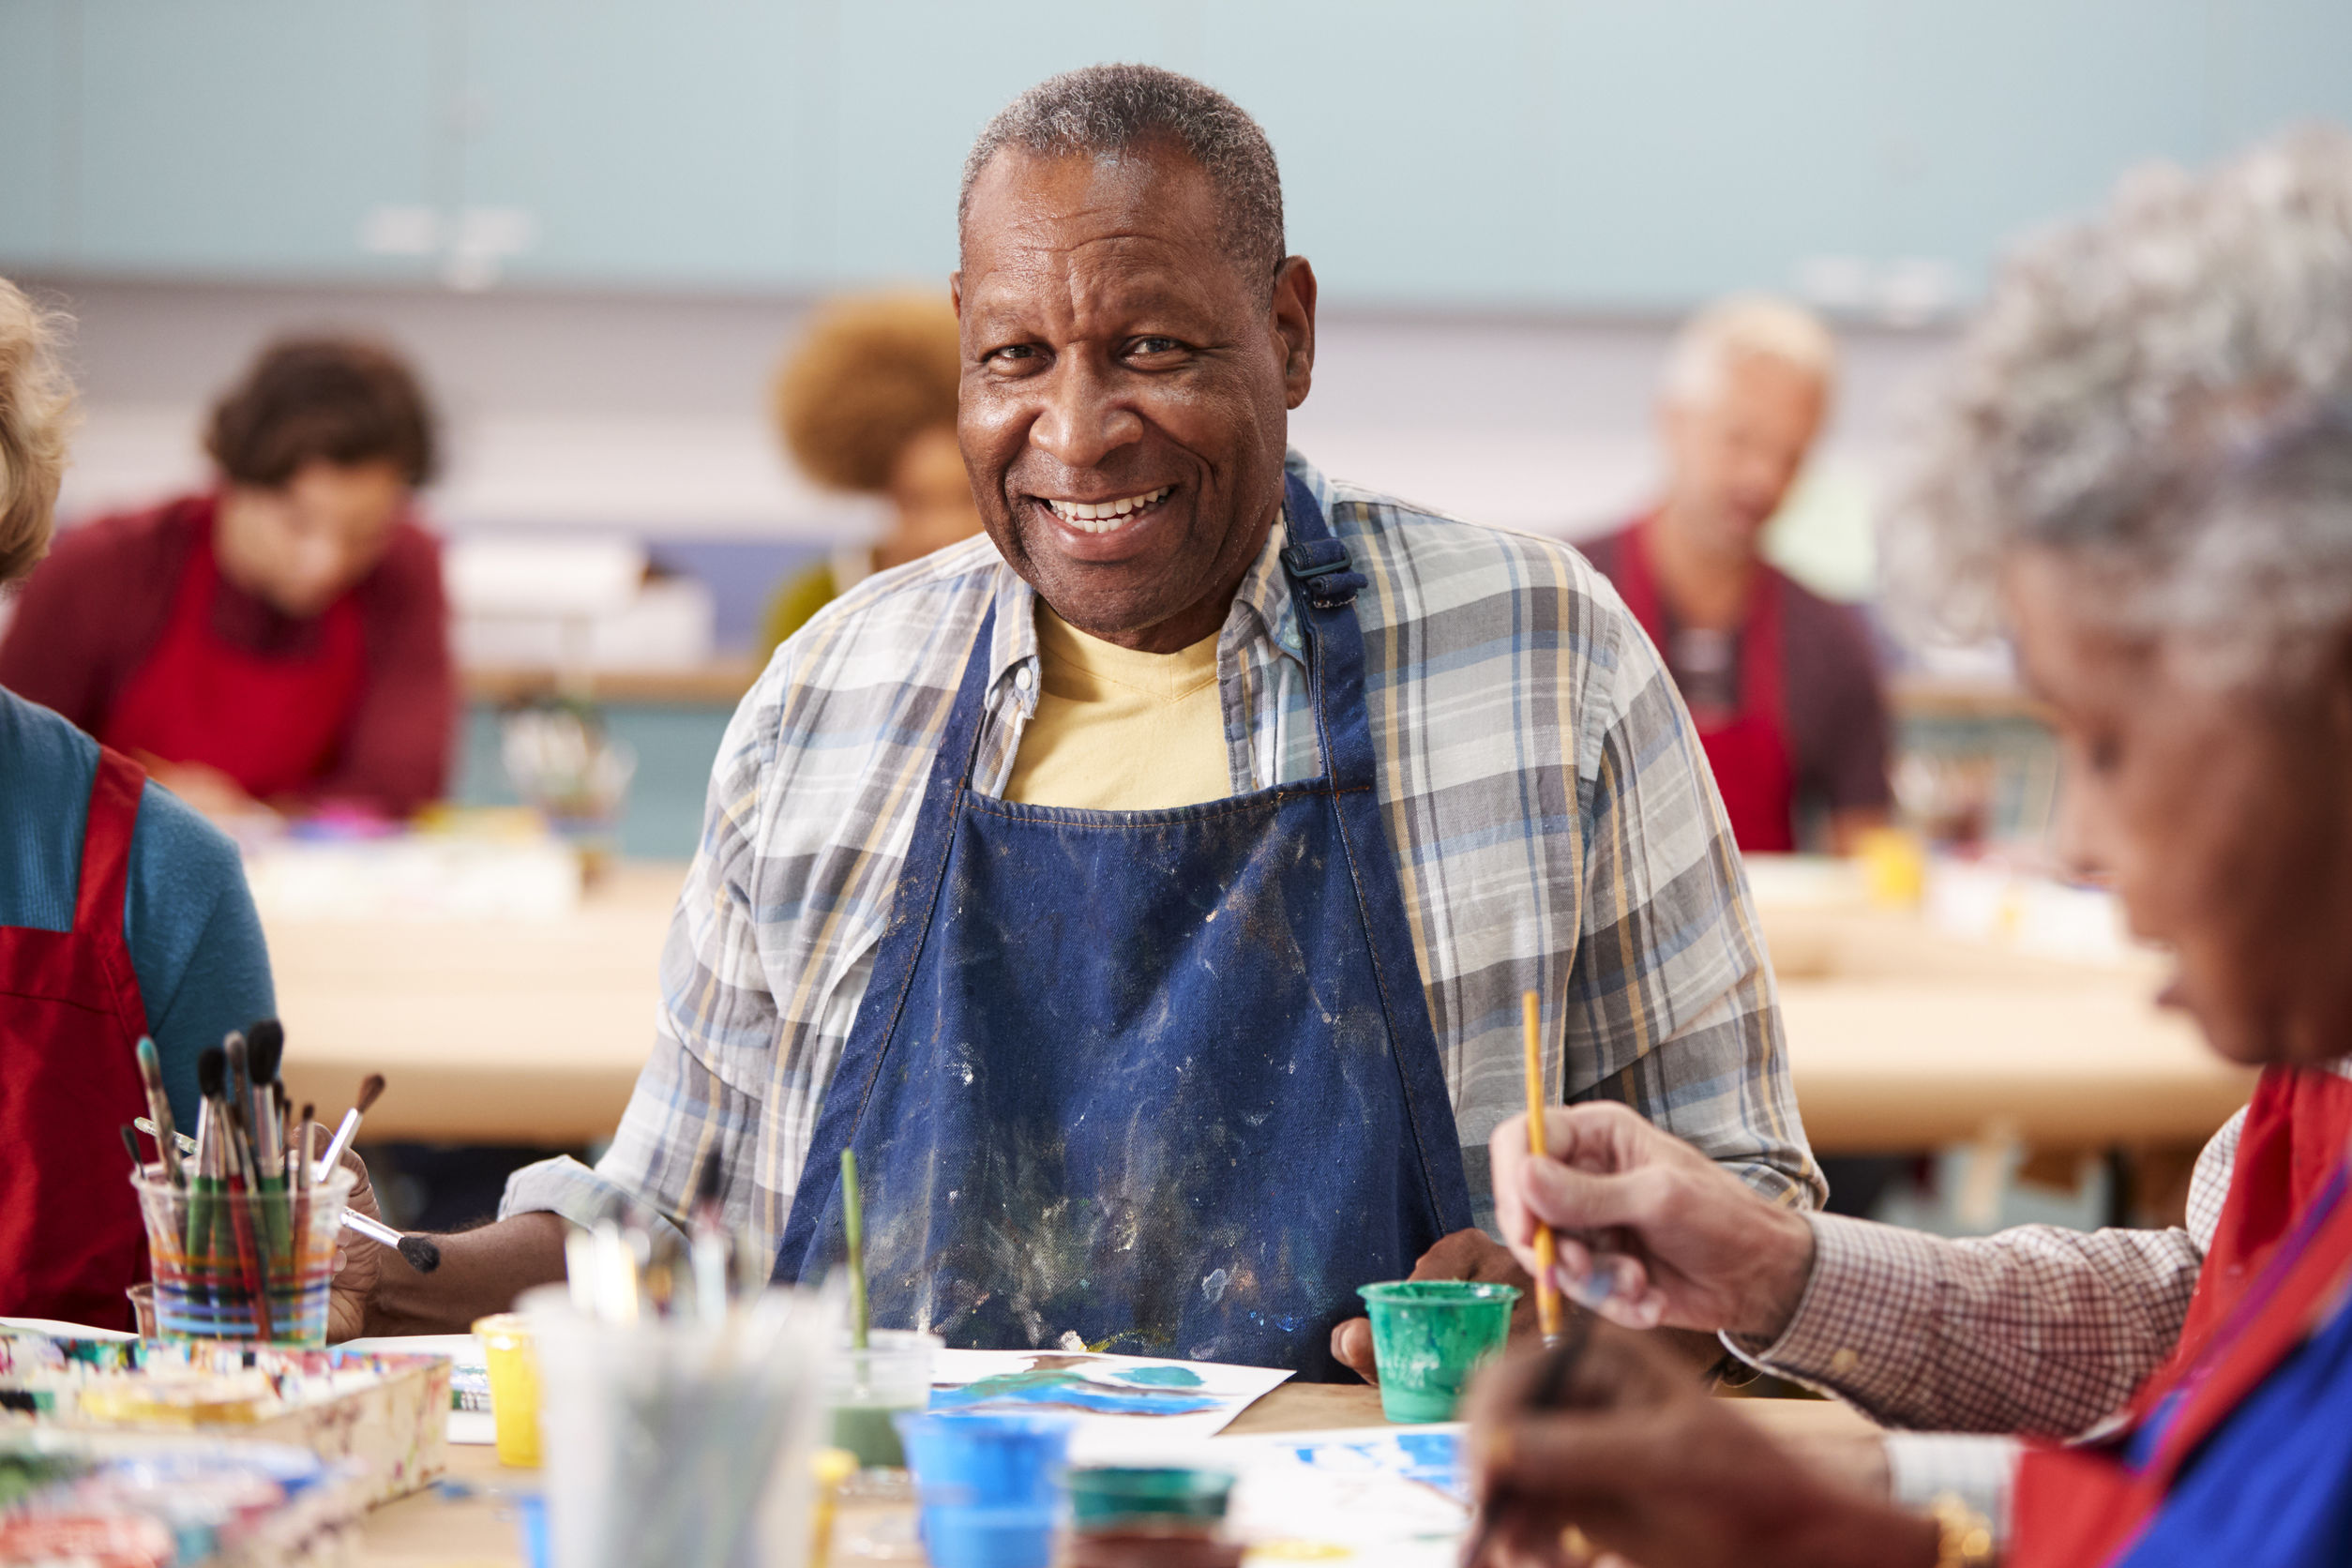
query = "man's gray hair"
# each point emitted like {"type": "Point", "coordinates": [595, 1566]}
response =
{"type": "Point", "coordinates": [1745, 325]}
{"type": "Point", "coordinates": [2135, 394]}
{"type": "Point", "coordinates": [1107, 112]}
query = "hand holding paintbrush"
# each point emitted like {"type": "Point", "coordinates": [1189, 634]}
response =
{"type": "Point", "coordinates": [1649, 1232]}
{"type": "Point", "coordinates": [1605, 1444]}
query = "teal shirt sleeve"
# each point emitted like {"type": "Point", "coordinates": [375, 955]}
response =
{"type": "Point", "coordinates": [195, 940]}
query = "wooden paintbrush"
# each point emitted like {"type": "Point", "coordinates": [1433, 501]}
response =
{"type": "Point", "coordinates": [854, 1223]}
{"type": "Point", "coordinates": [1546, 1245]}
{"type": "Point", "coordinates": [160, 1110]}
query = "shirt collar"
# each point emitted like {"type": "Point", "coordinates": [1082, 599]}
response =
{"type": "Point", "coordinates": [1262, 604]}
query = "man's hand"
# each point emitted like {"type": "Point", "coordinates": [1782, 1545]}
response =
{"type": "Point", "coordinates": [1636, 1460]}
{"type": "Point", "coordinates": [1463, 1255]}
{"type": "Point", "coordinates": [358, 1261]}
{"type": "Point", "coordinates": [1685, 1243]}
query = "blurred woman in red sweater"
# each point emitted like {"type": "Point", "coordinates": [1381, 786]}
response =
{"type": "Point", "coordinates": [281, 639]}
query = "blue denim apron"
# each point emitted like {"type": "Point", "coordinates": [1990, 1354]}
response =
{"type": "Point", "coordinates": [1152, 1082]}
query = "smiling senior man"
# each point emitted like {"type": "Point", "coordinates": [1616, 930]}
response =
{"type": "Point", "coordinates": [1146, 893]}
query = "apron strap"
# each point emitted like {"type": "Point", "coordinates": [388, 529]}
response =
{"type": "Point", "coordinates": [1325, 583]}
{"type": "Point", "coordinates": [114, 795]}
{"type": "Point", "coordinates": [925, 870]}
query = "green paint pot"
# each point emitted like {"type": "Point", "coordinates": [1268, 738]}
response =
{"type": "Point", "coordinates": [1429, 1336]}
{"type": "Point", "coordinates": [1112, 1495]}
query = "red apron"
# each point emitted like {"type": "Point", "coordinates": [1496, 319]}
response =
{"type": "Point", "coordinates": [70, 1018]}
{"type": "Point", "coordinates": [2080, 1507]}
{"type": "Point", "coordinates": [1749, 752]}
{"type": "Point", "coordinates": [274, 725]}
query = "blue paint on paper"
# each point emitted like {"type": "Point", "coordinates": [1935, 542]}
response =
{"type": "Point", "coordinates": [1159, 1376]}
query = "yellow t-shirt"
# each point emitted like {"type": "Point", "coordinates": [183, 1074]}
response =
{"type": "Point", "coordinates": [1120, 731]}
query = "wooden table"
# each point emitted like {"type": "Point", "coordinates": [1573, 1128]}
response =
{"type": "Point", "coordinates": [431, 1530]}
{"type": "Point", "coordinates": [1899, 1037]}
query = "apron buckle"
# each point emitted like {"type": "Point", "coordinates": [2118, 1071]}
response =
{"type": "Point", "coordinates": [1323, 568]}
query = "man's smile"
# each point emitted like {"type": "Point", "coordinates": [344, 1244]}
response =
{"type": "Point", "coordinates": [1106, 517]}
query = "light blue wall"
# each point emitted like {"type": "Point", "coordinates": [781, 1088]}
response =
{"type": "Point", "coordinates": [1568, 154]}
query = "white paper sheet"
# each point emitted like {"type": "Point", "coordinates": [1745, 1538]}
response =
{"type": "Point", "coordinates": [1388, 1495]}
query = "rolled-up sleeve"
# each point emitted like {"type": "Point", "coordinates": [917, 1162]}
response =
{"type": "Point", "coordinates": [700, 1094]}
{"type": "Point", "coordinates": [1672, 997]}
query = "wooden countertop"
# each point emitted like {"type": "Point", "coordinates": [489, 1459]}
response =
{"type": "Point", "coordinates": [1899, 1037]}
{"type": "Point", "coordinates": [476, 1529]}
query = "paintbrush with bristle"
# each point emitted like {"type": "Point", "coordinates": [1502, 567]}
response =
{"type": "Point", "coordinates": [371, 1087]}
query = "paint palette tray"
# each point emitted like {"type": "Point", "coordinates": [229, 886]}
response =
{"type": "Point", "coordinates": [386, 1415]}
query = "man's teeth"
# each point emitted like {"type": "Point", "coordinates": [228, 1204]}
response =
{"type": "Point", "coordinates": [1101, 517]}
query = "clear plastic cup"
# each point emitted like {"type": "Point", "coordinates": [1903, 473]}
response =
{"type": "Point", "coordinates": [865, 1389]}
{"type": "Point", "coordinates": [244, 1266]}
{"type": "Point", "coordinates": [671, 1443]}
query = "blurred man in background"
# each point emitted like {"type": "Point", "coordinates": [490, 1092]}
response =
{"type": "Point", "coordinates": [282, 639]}
{"type": "Point", "coordinates": [1780, 681]}
{"type": "Point", "coordinates": [867, 404]}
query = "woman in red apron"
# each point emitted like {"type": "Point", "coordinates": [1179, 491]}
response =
{"type": "Point", "coordinates": [2182, 602]}
{"type": "Point", "coordinates": [282, 640]}
{"type": "Point", "coordinates": [111, 897]}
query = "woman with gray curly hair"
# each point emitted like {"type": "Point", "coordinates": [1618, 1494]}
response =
{"type": "Point", "coordinates": [2143, 467]}
{"type": "Point", "coordinates": [123, 913]}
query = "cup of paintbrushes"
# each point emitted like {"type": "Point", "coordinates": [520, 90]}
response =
{"type": "Point", "coordinates": [228, 1262]}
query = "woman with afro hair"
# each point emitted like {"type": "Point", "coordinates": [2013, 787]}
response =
{"type": "Point", "coordinates": [867, 404]}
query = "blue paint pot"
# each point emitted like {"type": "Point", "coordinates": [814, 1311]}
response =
{"type": "Point", "coordinates": [991, 1485]}
{"type": "Point", "coordinates": [531, 1523]}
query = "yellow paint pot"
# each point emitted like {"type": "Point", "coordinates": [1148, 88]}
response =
{"type": "Point", "coordinates": [514, 1382]}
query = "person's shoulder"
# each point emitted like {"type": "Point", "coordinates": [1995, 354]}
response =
{"type": "Point", "coordinates": [895, 616]}
{"type": "Point", "coordinates": [175, 847]}
{"type": "Point", "coordinates": [114, 543]}
{"type": "Point", "coordinates": [1452, 561]}
{"type": "Point", "coordinates": [46, 761]}
{"type": "Point", "coordinates": [410, 565]}
{"type": "Point", "coordinates": [1842, 629]}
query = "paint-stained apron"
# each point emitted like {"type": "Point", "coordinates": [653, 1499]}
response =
{"type": "Point", "coordinates": [1155, 1082]}
{"type": "Point", "coordinates": [70, 1016]}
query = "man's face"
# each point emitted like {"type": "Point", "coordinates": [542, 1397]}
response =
{"type": "Point", "coordinates": [1126, 389]}
{"type": "Point", "coordinates": [301, 546]}
{"type": "Point", "coordinates": [2220, 817]}
{"type": "Point", "coordinates": [1733, 455]}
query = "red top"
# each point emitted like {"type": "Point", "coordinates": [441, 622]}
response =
{"type": "Point", "coordinates": [357, 704]}
{"type": "Point", "coordinates": [2254, 1301]}
{"type": "Point", "coordinates": [70, 1237]}
{"type": "Point", "coordinates": [1833, 712]}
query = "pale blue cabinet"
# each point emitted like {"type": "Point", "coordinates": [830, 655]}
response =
{"type": "Point", "coordinates": [617, 142]}
{"type": "Point", "coordinates": [1554, 154]}
{"type": "Point", "coordinates": [247, 137]}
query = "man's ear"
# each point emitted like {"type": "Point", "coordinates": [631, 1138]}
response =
{"type": "Point", "coordinates": [1293, 313]}
{"type": "Point", "coordinates": [955, 291]}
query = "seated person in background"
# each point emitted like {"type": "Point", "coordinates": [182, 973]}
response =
{"type": "Point", "coordinates": [1781, 682]}
{"type": "Point", "coordinates": [122, 913]}
{"type": "Point", "coordinates": [867, 403]}
{"type": "Point", "coordinates": [283, 637]}
{"type": "Point", "coordinates": [2171, 531]}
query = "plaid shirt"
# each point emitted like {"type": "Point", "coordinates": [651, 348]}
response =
{"type": "Point", "coordinates": [1553, 818]}
{"type": "Point", "coordinates": [2038, 1330]}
